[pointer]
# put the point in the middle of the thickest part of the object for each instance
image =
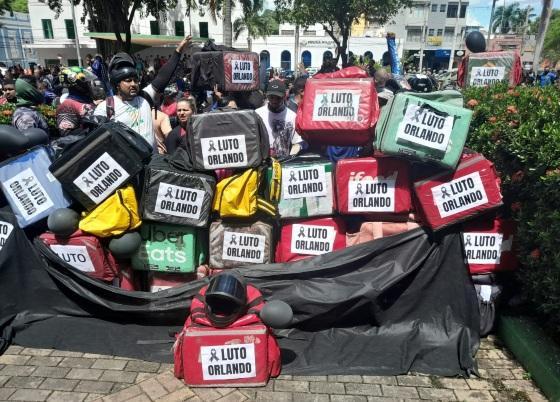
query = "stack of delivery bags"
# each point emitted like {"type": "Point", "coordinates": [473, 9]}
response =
{"type": "Point", "coordinates": [224, 203]}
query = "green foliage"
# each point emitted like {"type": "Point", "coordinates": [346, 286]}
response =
{"type": "Point", "coordinates": [254, 22]}
{"type": "Point", "coordinates": [337, 17]}
{"type": "Point", "coordinates": [551, 49]}
{"type": "Point", "coordinates": [518, 129]}
{"type": "Point", "coordinates": [20, 6]}
{"type": "Point", "coordinates": [511, 18]}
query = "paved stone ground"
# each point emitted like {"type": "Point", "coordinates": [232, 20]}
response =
{"type": "Point", "coordinates": [48, 375]}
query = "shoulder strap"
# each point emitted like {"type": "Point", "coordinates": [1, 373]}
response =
{"type": "Point", "coordinates": [110, 107]}
{"type": "Point", "coordinates": [269, 202]}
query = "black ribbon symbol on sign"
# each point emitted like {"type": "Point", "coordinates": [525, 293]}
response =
{"type": "Point", "coordinates": [301, 232]}
{"type": "Point", "coordinates": [233, 241]}
{"type": "Point", "coordinates": [359, 189]}
{"type": "Point", "coordinates": [417, 115]}
{"type": "Point", "coordinates": [212, 147]}
{"type": "Point", "coordinates": [293, 176]}
{"type": "Point", "coordinates": [87, 181]}
{"type": "Point", "coordinates": [325, 100]}
{"type": "Point", "coordinates": [444, 193]}
{"type": "Point", "coordinates": [213, 356]}
{"type": "Point", "coordinates": [468, 241]}
{"type": "Point", "coordinates": [27, 181]}
{"type": "Point", "coordinates": [169, 192]}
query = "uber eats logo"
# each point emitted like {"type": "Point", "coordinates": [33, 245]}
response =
{"type": "Point", "coordinates": [165, 248]}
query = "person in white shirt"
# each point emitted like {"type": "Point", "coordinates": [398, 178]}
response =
{"type": "Point", "coordinates": [280, 122]}
{"type": "Point", "coordinates": [132, 106]}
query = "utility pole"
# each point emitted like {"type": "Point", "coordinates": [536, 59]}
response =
{"type": "Point", "coordinates": [525, 24]}
{"type": "Point", "coordinates": [452, 56]}
{"type": "Point", "coordinates": [76, 40]}
{"type": "Point", "coordinates": [296, 50]}
{"type": "Point", "coordinates": [423, 39]}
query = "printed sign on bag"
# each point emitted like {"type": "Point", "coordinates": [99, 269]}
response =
{"type": "Point", "coordinates": [483, 248]}
{"type": "Point", "coordinates": [339, 105]}
{"type": "Point", "coordinates": [228, 362]}
{"type": "Point", "coordinates": [77, 256]}
{"type": "Point", "coordinates": [459, 195]}
{"type": "Point", "coordinates": [104, 176]}
{"type": "Point", "coordinates": [242, 72]}
{"type": "Point", "coordinates": [372, 194]}
{"type": "Point", "coordinates": [224, 152]}
{"type": "Point", "coordinates": [5, 232]}
{"type": "Point", "coordinates": [244, 247]}
{"type": "Point", "coordinates": [302, 182]}
{"type": "Point", "coordinates": [179, 201]}
{"type": "Point", "coordinates": [312, 239]}
{"type": "Point", "coordinates": [28, 194]}
{"type": "Point", "coordinates": [424, 127]}
{"type": "Point", "coordinates": [482, 76]}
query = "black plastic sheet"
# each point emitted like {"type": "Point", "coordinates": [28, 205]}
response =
{"type": "Point", "coordinates": [398, 304]}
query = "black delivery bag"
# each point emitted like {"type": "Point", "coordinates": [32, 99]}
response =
{"type": "Point", "coordinates": [174, 195]}
{"type": "Point", "coordinates": [93, 168]}
{"type": "Point", "coordinates": [227, 139]}
{"type": "Point", "coordinates": [229, 70]}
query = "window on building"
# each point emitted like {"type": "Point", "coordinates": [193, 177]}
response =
{"type": "Point", "coordinates": [414, 35]}
{"type": "Point", "coordinates": [463, 10]}
{"type": "Point", "coordinates": [439, 32]}
{"type": "Point", "coordinates": [452, 10]}
{"type": "Point", "coordinates": [14, 50]}
{"type": "Point", "coordinates": [434, 8]}
{"type": "Point", "coordinates": [179, 28]}
{"type": "Point", "coordinates": [70, 32]}
{"type": "Point", "coordinates": [73, 63]}
{"type": "Point", "coordinates": [431, 32]}
{"type": "Point", "coordinates": [288, 32]}
{"type": "Point", "coordinates": [50, 63]}
{"type": "Point", "coordinates": [309, 33]}
{"type": "Point", "coordinates": [442, 8]}
{"type": "Point", "coordinates": [154, 27]}
{"type": "Point", "coordinates": [285, 60]}
{"type": "Point", "coordinates": [47, 29]}
{"type": "Point", "coordinates": [448, 34]}
{"type": "Point", "coordinates": [306, 58]}
{"type": "Point", "coordinates": [203, 29]}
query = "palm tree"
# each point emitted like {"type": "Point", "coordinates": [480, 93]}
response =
{"type": "Point", "coordinates": [253, 21]}
{"type": "Point", "coordinates": [543, 26]}
{"type": "Point", "coordinates": [227, 23]}
{"type": "Point", "coordinates": [507, 19]}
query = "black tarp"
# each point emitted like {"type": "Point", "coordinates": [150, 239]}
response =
{"type": "Point", "coordinates": [399, 304]}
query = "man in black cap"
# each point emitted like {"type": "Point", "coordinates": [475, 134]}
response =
{"type": "Point", "coordinates": [280, 122]}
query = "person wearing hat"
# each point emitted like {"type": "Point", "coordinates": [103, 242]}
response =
{"type": "Point", "coordinates": [131, 105]}
{"type": "Point", "coordinates": [28, 97]}
{"type": "Point", "coordinates": [280, 122]}
{"type": "Point", "coordinates": [79, 102]}
{"type": "Point", "coordinates": [9, 89]}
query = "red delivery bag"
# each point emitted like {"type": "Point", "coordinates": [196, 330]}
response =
{"type": "Point", "coordinates": [379, 186]}
{"type": "Point", "coordinates": [305, 238]}
{"type": "Point", "coordinates": [158, 281]}
{"type": "Point", "coordinates": [245, 353]}
{"type": "Point", "coordinates": [447, 198]}
{"type": "Point", "coordinates": [338, 111]}
{"type": "Point", "coordinates": [348, 72]}
{"type": "Point", "coordinates": [128, 278]}
{"type": "Point", "coordinates": [489, 245]}
{"type": "Point", "coordinates": [84, 252]}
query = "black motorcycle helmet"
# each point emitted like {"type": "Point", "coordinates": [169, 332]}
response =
{"type": "Point", "coordinates": [421, 83]}
{"type": "Point", "coordinates": [121, 67]}
{"type": "Point", "coordinates": [226, 299]}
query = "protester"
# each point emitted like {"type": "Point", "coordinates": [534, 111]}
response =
{"type": "Point", "coordinates": [79, 102]}
{"type": "Point", "coordinates": [132, 106]}
{"type": "Point", "coordinates": [547, 78]}
{"type": "Point", "coordinates": [280, 122]}
{"type": "Point", "coordinates": [9, 88]}
{"type": "Point", "coordinates": [186, 107]}
{"type": "Point", "coordinates": [169, 105]}
{"type": "Point", "coordinates": [162, 128]}
{"type": "Point", "coordinates": [48, 95]}
{"type": "Point", "coordinates": [297, 93]}
{"type": "Point", "coordinates": [28, 97]}
{"type": "Point", "coordinates": [99, 68]}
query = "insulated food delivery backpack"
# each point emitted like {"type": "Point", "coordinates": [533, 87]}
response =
{"type": "Point", "coordinates": [489, 68]}
{"type": "Point", "coordinates": [30, 189]}
{"type": "Point", "coordinates": [338, 111]}
{"type": "Point", "coordinates": [227, 138]}
{"type": "Point", "coordinates": [174, 195]}
{"type": "Point", "coordinates": [93, 168]}
{"type": "Point", "coordinates": [230, 71]}
{"type": "Point", "coordinates": [427, 127]}
{"type": "Point", "coordinates": [244, 353]}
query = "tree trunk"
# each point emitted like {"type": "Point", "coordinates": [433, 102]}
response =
{"type": "Point", "coordinates": [227, 23]}
{"type": "Point", "coordinates": [249, 43]}
{"type": "Point", "coordinates": [543, 26]}
{"type": "Point", "coordinates": [343, 48]}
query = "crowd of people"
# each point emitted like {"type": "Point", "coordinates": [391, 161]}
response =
{"type": "Point", "coordinates": [153, 96]}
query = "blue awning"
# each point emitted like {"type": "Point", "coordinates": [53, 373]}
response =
{"type": "Point", "coordinates": [443, 53]}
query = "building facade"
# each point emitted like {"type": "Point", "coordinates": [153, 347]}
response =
{"type": "Point", "coordinates": [430, 26]}
{"type": "Point", "coordinates": [15, 33]}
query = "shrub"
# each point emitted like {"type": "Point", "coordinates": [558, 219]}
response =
{"type": "Point", "coordinates": [519, 130]}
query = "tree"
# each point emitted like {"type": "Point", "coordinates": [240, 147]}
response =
{"type": "Point", "coordinates": [543, 26]}
{"type": "Point", "coordinates": [551, 47]}
{"type": "Point", "coordinates": [508, 19]}
{"type": "Point", "coordinates": [337, 17]}
{"type": "Point", "coordinates": [117, 16]}
{"type": "Point", "coordinates": [227, 23]}
{"type": "Point", "coordinates": [6, 6]}
{"type": "Point", "coordinates": [20, 6]}
{"type": "Point", "coordinates": [254, 22]}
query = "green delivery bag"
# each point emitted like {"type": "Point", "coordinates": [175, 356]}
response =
{"type": "Point", "coordinates": [307, 187]}
{"type": "Point", "coordinates": [426, 127]}
{"type": "Point", "coordinates": [170, 248]}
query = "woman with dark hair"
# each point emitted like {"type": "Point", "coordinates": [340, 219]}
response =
{"type": "Point", "coordinates": [186, 107]}
{"type": "Point", "coordinates": [28, 97]}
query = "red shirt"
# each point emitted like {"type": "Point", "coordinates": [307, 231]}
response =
{"type": "Point", "coordinates": [170, 110]}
